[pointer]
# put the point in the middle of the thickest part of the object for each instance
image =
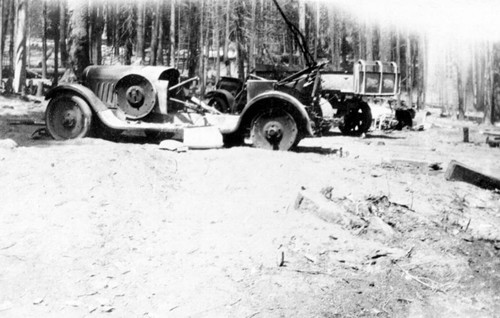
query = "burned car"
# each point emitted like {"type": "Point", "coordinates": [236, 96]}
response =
{"type": "Point", "coordinates": [113, 99]}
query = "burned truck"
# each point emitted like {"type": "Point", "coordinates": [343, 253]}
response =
{"type": "Point", "coordinates": [336, 99]}
{"type": "Point", "coordinates": [341, 94]}
{"type": "Point", "coordinates": [112, 99]}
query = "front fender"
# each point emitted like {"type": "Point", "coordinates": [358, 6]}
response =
{"type": "Point", "coordinates": [94, 102]}
{"type": "Point", "coordinates": [222, 93]}
{"type": "Point", "coordinates": [276, 99]}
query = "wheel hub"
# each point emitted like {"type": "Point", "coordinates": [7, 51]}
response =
{"type": "Point", "coordinates": [135, 96]}
{"type": "Point", "coordinates": [273, 132]}
{"type": "Point", "coordinates": [69, 120]}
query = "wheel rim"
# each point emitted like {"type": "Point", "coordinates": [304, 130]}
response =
{"type": "Point", "coordinates": [66, 119]}
{"type": "Point", "coordinates": [274, 131]}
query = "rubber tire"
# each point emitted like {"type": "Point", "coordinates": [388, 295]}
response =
{"type": "Point", "coordinates": [69, 105]}
{"type": "Point", "coordinates": [281, 118]}
{"type": "Point", "coordinates": [358, 120]}
{"type": "Point", "coordinates": [219, 103]}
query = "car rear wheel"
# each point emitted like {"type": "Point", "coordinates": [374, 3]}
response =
{"type": "Point", "coordinates": [68, 117]}
{"type": "Point", "coordinates": [358, 120]}
{"type": "Point", "coordinates": [219, 103]}
{"type": "Point", "coordinates": [274, 130]}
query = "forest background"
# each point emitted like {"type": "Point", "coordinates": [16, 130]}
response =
{"type": "Point", "coordinates": [447, 51]}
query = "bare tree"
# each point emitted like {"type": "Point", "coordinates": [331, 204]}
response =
{"type": "Point", "coordinates": [79, 40]}
{"type": "Point", "coordinates": [217, 40]}
{"type": "Point", "coordinates": [239, 24]}
{"type": "Point", "coordinates": [20, 39]}
{"type": "Point", "coordinates": [302, 23]}
{"type": "Point", "coordinates": [116, 28]}
{"type": "Point", "coordinates": [335, 37]}
{"type": "Point", "coordinates": [369, 42]}
{"type": "Point", "coordinates": [460, 92]}
{"type": "Point", "coordinates": [12, 27]}
{"type": "Point", "coordinates": [251, 46]}
{"type": "Point", "coordinates": [422, 69]}
{"type": "Point", "coordinates": [409, 70]}
{"type": "Point", "coordinates": [55, 24]}
{"type": "Point", "coordinates": [200, 48]}
{"type": "Point", "coordinates": [96, 26]}
{"type": "Point", "coordinates": [161, 32]}
{"type": "Point", "coordinates": [172, 33]}
{"type": "Point", "coordinates": [226, 38]}
{"type": "Point", "coordinates": [140, 32]}
{"type": "Point", "coordinates": [193, 31]}
{"type": "Point", "coordinates": [154, 32]}
{"type": "Point", "coordinates": [63, 32]}
{"type": "Point", "coordinates": [1, 41]}
{"type": "Point", "coordinates": [317, 28]}
{"type": "Point", "coordinates": [488, 84]}
{"type": "Point", "coordinates": [44, 39]}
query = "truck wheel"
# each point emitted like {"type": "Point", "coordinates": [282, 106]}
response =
{"type": "Point", "coordinates": [68, 117]}
{"type": "Point", "coordinates": [219, 103]}
{"type": "Point", "coordinates": [357, 121]}
{"type": "Point", "coordinates": [274, 130]}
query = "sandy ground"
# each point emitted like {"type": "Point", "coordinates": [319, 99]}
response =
{"type": "Point", "coordinates": [124, 229]}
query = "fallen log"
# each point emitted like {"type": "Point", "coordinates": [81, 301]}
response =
{"type": "Point", "coordinates": [327, 210]}
{"type": "Point", "coordinates": [459, 172]}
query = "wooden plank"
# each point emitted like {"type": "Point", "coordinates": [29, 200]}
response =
{"type": "Point", "coordinates": [491, 132]}
{"type": "Point", "coordinates": [459, 172]}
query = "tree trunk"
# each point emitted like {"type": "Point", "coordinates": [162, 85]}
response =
{"type": "Point", "coordinates": [63, 33]}
{"type": "Point", "coordinates": [384, 44]}
{"type": "Point", "coordinates": [398, 62]}
{"type": "Point", "coordinates": [193, 31]}
{"type": "Point", "coordinates": [44, 39]}
{"type": "Point", "coordinates": [55, 24]}
{"type": "Point", "coordinates": [317, 28]}
{"type": "Point", "coordinates": [161, 33]}
{"type": "Point", "coordinates": [335, 36]}
{"type": "Point", "coordinates": [20, 59]}
{"type": "Point", "coordinates": [302, 25]}
{"type": "Point", "coordinates": [422, 72]}
{"type": "Point", "coordinates": [12, 34]}
{"type": "Point", "coordinates": [226, 40]}
{"type": "Point", "coordinates": [116, 33]}
{"type": "Point", "coordinates": [253, 34]}
{"type": "Point", "coordinates": [109, 22]}
{"type": "Point", "coordinates": [96, 28]}
{"type": "Point", "coordinates": [409, 73]}
{"type": "Point", "coordinates": [172, 33]}
{"type": "Point", "coordinates": [1, 42]}
{"type": "Point", "coordinates": [474, 77]}
{"type": "Point", "coordinates": [140, 32]}
{"type": "Point", "coordinates": [460, 93]}
{"type": "Point", "coordinates": [488, 85]}
{"type": "Point", "coordinates": [369, 42]}
{"type": "Point", "coordinates": [240, 42]}
{"type": "Point", "coordinates": [217, 41]}
{"type": "Point", "coordinates": [79, 40]}
{"type": "Point", "coordinates": [201, 48]}
{"type": "Point", "coordinates": [154, 32]}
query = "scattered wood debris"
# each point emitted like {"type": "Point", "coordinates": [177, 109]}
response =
{"type": "Point", "coordinates": [459, 172]}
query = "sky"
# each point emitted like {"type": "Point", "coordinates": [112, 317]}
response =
{"type": "Point", "coordinates": [466, 20]}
